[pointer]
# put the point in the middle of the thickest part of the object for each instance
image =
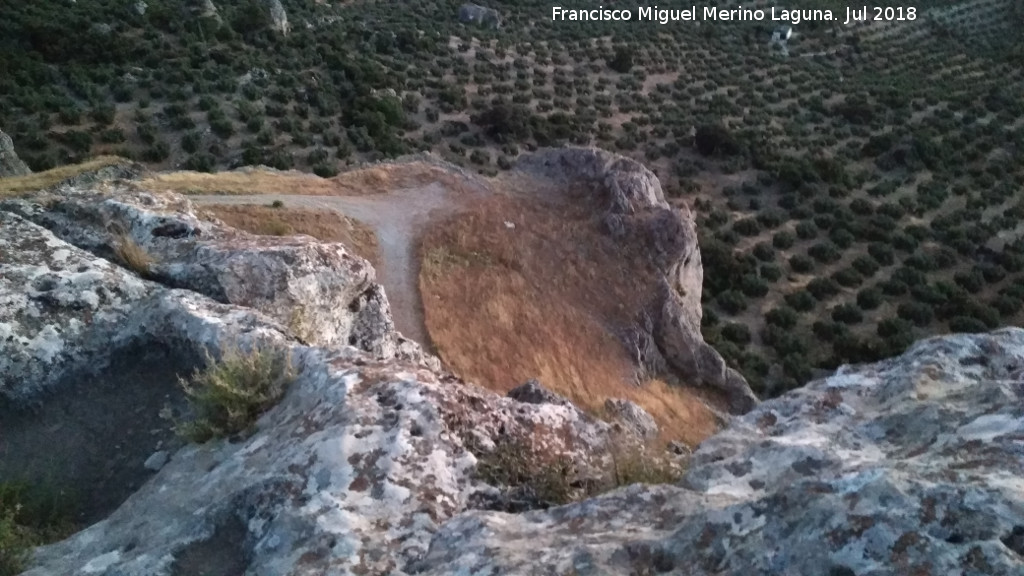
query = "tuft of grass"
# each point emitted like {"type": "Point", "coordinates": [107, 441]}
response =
{"type": "Point", "coordinates": [15, 541]}
{"type": "Point", "coordinates": [536, 479]}
{"type": "Point", "coordinates": [40, 180]}
{"type": "Point", "coordinates": [277, 204]}
{"type": "Point", "coordinates": [133, 256]}
{"type": "Point", "coordinates": [230, 394]}
{"type": "Point", "coordinates": [631, 466]}
{"type": "Point", "coordinates": [30, 515]}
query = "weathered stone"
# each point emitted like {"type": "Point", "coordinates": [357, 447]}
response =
{"type": "Point", "coordinates": [10, 164]}
{"type": "Point", "coordinates": [479, 15]}
{"type": "Point", "coordinates": [668, 339]}
{"type": "Point", "coordinates": [634, 418]}
{"type": "Point", "coordinates": [533, 392]}
{"type": "Point", "coordinates": [278, 17]}
{"type": "Point", "coordinates": [321, 292]}
{"type": "Point", "coordinates": [909, 466]}
{"type": "Point", "coordinates": [157, 461]}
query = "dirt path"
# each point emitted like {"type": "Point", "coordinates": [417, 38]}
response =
{"type": "Point", "coordinates": [397, 218]}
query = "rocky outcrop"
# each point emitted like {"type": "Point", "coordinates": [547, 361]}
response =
{"type": "Point", "coordinates": [909, 466]}
{"type": "Point", "coordinates": [320, 292]}
{"type": "Point", "coordinates": [352, 473]}
{"type": "Point", "coordinates": [370, 464]}
{"type": "Point", "coordinates": [634, 418]}
{"type": "Point", "coordinates": [479, 15]}
{"type": "Point", "coordinates": [10, 164]}
{"type": "Point", "coordinates": [668, 337]}
{"type": "Point", "coordinates": [278, 17]}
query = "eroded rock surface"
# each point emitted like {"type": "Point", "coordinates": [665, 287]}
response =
{"type": "Point", "coordinates": [913, 465]}
{"type": "Point", "coordinates": [320, 292]}
{"type": "Point", "coordinates": [669, 337]}
{"type": "Point", "coordinates": [10, 164]}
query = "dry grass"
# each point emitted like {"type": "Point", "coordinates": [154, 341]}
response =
{"type": "Point", "coordinates": [324, 225]}
{"type": "Point", "coordinates": [543, 300]}
{"type": "Point", "coordinates": [40, 180]}
{"type": "Point", "coordinates": [360, 182]}
{"type": "Point", "coordinates": [132, 256]}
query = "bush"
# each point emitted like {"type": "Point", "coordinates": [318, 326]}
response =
{"type": "Point", "coordinates": [738, 333]}
{"type": "Point", "coordinates": [783, 240]}
{"type": "Point", "coordinates": [230, 394]}
{"type": "Point", "coordinates": [783, 317]}
{"type": "Point", "coordinates": [847, 314]}
{"type": "Point", "coordinates": [732, 301]}
{"type": "Point", "coordinates": [822, 288]}
{"type": "Point", "coordinates": [716, 140]}
{"type": "Point", "coordinates": [801, 301]}
{"type": "Point", "coordinates": [869, 298]}
{"type": "Point", "coordinates": [916, 312]}
{"type": "Point", "coordinates": [966, 324]}
{"type": "Point", "coordinates": [825, 252]}
{"type": "Point", "coordinates": [801, 264]}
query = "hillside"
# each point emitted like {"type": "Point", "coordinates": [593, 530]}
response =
{"type": "Point", "coordinates": [181, 397]}
{"type": "Point", "coordinates": [857, 187]}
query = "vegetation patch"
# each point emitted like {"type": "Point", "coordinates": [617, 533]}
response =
{"type": "Point", "coordinates": [39, 180]}
{"type": "Point", "coordinates": [232, 392]}
{"type": "Point", "coordinates": [533, 478]}
{"type": "Point", "coordinates": [30, 515]}
{"type": "Point", "coordinates": [132, 256]}
{"type": "Point", "coordinates": [280, 220]}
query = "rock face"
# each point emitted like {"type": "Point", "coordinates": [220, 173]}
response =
{"type": "Point", "coordinates": [910, 466]}
{"type": "Point", "coordinates": [10, 164]}
{"type": "Point", "coordinates": [352, 473]}
{"type": "Point", "coordinates": [479, 15]}
{"type": "Point", "coordinates": [278, 17]}
{"type": "Point", "coordinates": [320, 292]}
{"type": "Point", "coordinates": [668, 337]}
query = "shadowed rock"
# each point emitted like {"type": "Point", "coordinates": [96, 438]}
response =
{"type": "Point", "coordinates": [669, 338]}
{"type": "Point", "coordinates": [479, 15]}
{"type": "Point", "coordinates": [10, 164]}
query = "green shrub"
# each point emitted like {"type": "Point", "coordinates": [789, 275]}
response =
{"type": "Point", "coordinates": [230, 394]}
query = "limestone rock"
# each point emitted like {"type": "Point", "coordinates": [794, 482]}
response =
{"type": "Point", "coordinates": [480, 15]}
{"type": "Point", "coordinates": [157, 461]}
{"type": "Point", "coordinates": [60, 307]}
{"type": "Point", "coordinates": [321, 292]}
{"type": "Point", "coordinates": [10, 164]}
{"type": "Point", "coordinates": [351, 473]}
{"type": "Point", "coordinates": [632, 417]}
{"type": "Point", "coordinates": [909, 466]}
{"type": "Point", "coordinates": [533, 392]}
{"type": "Point", "coordinates": [668, 338]}
{"type": "Point", "coordinates": [278, 17]}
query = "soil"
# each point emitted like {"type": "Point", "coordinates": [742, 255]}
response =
{"type": "Point", "coordinates": [398, 219]}
{"type": "Point", "coordinates": [84, 444]}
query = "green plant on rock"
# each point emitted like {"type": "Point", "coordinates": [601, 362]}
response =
{"type": "Point", "coordinates": [232, 392]}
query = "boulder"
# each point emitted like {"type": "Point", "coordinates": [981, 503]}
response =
{"type": "Point", "coordinates": [909, 466]}
{"type": "Point", "coordinates": [480, 15]}
{"type": "Point", "coordinates": [532, 392]}
{"type": "Point", "coordinates": [10, 164]}
{"type": "Point", "coordinates": [667, 338]}
{"type": "Point", "coordinates": [278, 17]}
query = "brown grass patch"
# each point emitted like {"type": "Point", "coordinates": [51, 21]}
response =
{"type": "Point", "coordinates": [132, 256]}
{"type": "Point", "coordinates": [40, 180]}
{"type": "Point", "coordinates": [544, 300]}
{"type": "Point", "coordinates": [359, 182]}
{"type": "Point", "coordinates": [324, 225]}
